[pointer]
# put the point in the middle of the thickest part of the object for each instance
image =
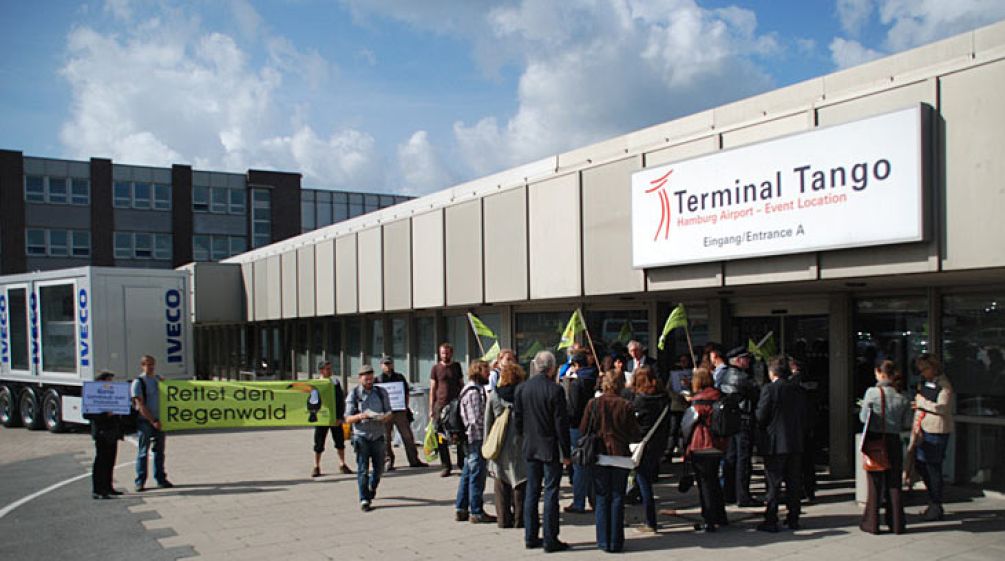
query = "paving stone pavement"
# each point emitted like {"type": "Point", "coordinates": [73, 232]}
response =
{"type": "Point", "coordinates": [248, 495]}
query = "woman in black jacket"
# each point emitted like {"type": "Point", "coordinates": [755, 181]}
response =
{"type": "Point", "coordinates": [651, 402]}
{"type": "Point", "coordinates": [106, 430]}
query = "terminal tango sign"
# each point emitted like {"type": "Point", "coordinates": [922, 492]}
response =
{"type": "Point", "coordinates": [850, 185]}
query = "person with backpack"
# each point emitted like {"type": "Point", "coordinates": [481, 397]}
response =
{"type": "Point", "coordinates": [469, 505]}
{"type": "Point", "coordinates": [740, 394]}
{"type": "Point", "coordinates": [368, 407]}
{"type": "Point", "coordinates": [704, 450]}
{"type": "Point", "coordinates": [445, 381]}
{"type": "Point", "coordinates": [781, 413]}
{"type": "Point", "coordinates": [150, 434]}
{"type": "Point", "coordinates": [507, 467]}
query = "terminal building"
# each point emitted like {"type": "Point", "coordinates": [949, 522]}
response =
{"type": "Point", "coordinates": [857, 216]}
{"type": "Point", "coordinates": [57, 214]}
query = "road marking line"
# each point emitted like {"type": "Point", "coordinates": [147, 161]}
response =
{"type": "Point", "coordinates": [9, 508]}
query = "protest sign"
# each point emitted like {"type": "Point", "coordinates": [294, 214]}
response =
{"type": "Point", "coordinates": [396, 392]}
{"type": "Point", "coordinates": [105, 397]}
{"type": "Point", "coordinates": [228, 404]}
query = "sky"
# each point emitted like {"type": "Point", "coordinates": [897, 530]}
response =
{"type": "Point", "coordinates": [412, 96]}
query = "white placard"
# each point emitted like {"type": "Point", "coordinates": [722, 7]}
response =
{"type": "Point", "coordinates": [106, 397]}
{"type": "Point", "coordinates": [396, 393]}
{"type": "Point", "coordinates": [850, 185]}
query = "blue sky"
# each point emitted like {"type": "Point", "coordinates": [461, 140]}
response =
{"type": "Point", "coordinates": [412, 96]}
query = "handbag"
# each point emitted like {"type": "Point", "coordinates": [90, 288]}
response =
{"type": "Point", "coordinates": [493, 444]}
{"type": "Point", "coordinates": [589, 445]}
{"type": "Point", "coordinates": [874, 453]}
{"type": "Point", "coordinates": [639, 448]}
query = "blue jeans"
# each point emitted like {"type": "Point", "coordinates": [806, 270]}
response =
{"type": "Point", "coordinates": [610, 483]}
{"type": "Point", "coordinates": [368, 452]}
{"type": "Point", "coordinates": [148, 436]}
{"type": "Point", "coordinates": [645, 476]}
{"type": "Point", "coordinates": [928, 458]}
{"type": "Point", "coordinates": [550, 473]}
{"type": "Point", "coordinates": [472, 485]}
{"type": "Point", "coordinates": [582, 481]}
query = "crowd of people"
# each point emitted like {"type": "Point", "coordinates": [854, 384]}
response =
{"type": "Point", "coordinates": [610, 422]}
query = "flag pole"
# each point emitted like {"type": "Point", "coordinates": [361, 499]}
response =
{"type": "Point", "coordinates": [478, 337]}
{"type": "Point", "coordinates": [588, 338]}
{"type": "Point", "coordinates": [690, 347]}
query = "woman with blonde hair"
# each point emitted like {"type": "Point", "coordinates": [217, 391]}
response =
{"type": "Point", "coordinates": [508, 468]}
{"type": "Point", "coordinates": [933, 423]}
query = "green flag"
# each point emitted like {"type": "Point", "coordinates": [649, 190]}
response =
{"type": "Point", "coordinates": [575, 325]}
{"type": "Point", "coordinates": [534, 348]}
{"type": "Point", "coordinates": [678, 318]}
{"type": "Point", "coordinates": [765, 348]}
{"type": "Point", "coordinates": [625, 335]}
{"type": "Point", "coordinates": [492, 353]}
{"type": "Point", "coordinates": [480, 327]}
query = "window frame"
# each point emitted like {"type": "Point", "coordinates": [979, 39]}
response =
{"type": "Point", "coordinates": [80, 199]}
{"type": "Point", "coordinates": [32, 196]}
{"type": "Point", "coordinates": [159, 202]}
{"type": "Point", "coordinates": [120, 251]}
{"type": "Point", "coordinates": [42, 250]}
{"type": "Point", "coordinates": [84, 247]}
{"type": "Point", "coordinates": [200, 198]}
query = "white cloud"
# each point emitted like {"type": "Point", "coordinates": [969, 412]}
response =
{"type": "Point", "coordinates": [420, 166]}
{"type": "Point", "coordinates": [164, 90]}
{"type": "Point", "coordinates": [120, 9]}
{"type": "Point", "coordinates": [854, 14]}
{"type": "Point", "coordinates": [847, 53]}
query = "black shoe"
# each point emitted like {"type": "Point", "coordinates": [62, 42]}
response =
{"type": "Point", "coordinates": [445, 472]}
{"type": "Point", "coordinates": [389, 468]}
{"type": "Point", "coordinates": [750, 503]}
{"type": "Point", "coordinates": [573, 510]}
{"type": "Point", "coordinates": [932, 514]}
{"type": "Point", "coordinates": [482, 519]}
{"type": "Point", "coordinates": [533, 545]}
{"type": "Point", "coordinates": [555, 547]}
{"type": "Point", "coordinates": [461, 515]}
{"type": "Point", "coordinates": [365, 506]}
{"type": "Point", "coordinates": [792, 524]}
{"type": "Point", "coordinates": [165, 484]}
{"type": "Point", "coordinates": [97, 496]}
{"type": "Point", "coordinates": [419, 465]}
{"type": "Point", "coordinates": [115, 493]}
{"type": "Point", "coordinates": [765, 527]}
{"type": "Point", "coordinates": [703, 527]}
{"type": "Point", "coordinates": [140, 487]}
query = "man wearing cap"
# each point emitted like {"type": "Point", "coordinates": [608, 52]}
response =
{"type": "Point", "coordinates": [367, 409]}
{"type": "Point", "coordinates": [738, 385]}
{"type": "Point", "coordinates": [320, 433]}
{"type": "Point", "coordinates": [398, 419]}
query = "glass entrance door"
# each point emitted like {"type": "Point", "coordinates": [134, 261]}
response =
{"type": "Point", "coordinates": [805, 338]}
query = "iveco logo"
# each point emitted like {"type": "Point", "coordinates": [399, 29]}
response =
{"type": "Point", "coordinates": [33, 315]}
{"type": "Point", "coordinates": [173, 312]}
{"type": "Point", "coordinates": [4, 349]}
{"type": "Point", "coordinates": [85, 339]}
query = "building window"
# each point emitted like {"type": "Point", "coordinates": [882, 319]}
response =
{"type": "Point", "coordinates": [539, 331]}
{"type": "Point", "coordinates": [200, 248]}
{"type": "Point", "coordinates": [80, 191]}
{"type": "Point", "coordinates": [58, 327]}
{"type": "Point", "coordinates": [35, 242]}
{"type": "Point", "coordinates": [58, 193]}
{"type": "Point", "coordinates": [162, 196]}
{"type": "Point", "coordinates": [237, 202]}
{"type": "Point", "coordinates": [142, 195]}
{"type": "Point", "coordinates": [34, 189]}
{"type": "Point", "coordinates": [123, 245]}
{"type": "Point", "coordinates": [162, 246]}
{"type": "Point", "coordinates": [143, 245]}
{"type": "Point", "coordinates": [59, 243]}
{"type": "Point", "coordinates": [219, 247]}
{"type": "Point", "coordinates": [122, 196]}
{"type": "Point", "coordinates": [324, 214]}
{"type": "Point", "coordinates": [355, 205]}
{"type": "Point", "coordinates": [889, 328]}
{"type": "Point", "coordinates": [261, 217]}
{"type": "Point", "coordinates": [81, 243]}
{"type": "Point", "coordinates": [200, 199]}
{"type": "Point", "coordinates": [218, 200]}
{"type": "Point", "coordinates": [238, 245]}
{"type": "Point", "coordinates": [307, 216]}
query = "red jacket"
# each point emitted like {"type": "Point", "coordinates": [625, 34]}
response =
{"type": "Point", "coordinates": [702, 440]}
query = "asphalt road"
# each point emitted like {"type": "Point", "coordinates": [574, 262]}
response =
{"type": "Point", "coordinates": [67, 523]}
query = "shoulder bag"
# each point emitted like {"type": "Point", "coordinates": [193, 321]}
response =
{"type": "Point", "coordinates": [589, 445]}
{"type": "Point", "coordinates": [493, 444]}
{"type": "Point", "coordinates": [874, 453]}
{"type": "Point", "coordinates": [639, 449]}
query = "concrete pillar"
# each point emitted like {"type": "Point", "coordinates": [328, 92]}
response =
{"type": "Point", "coordinates": [842, 402]}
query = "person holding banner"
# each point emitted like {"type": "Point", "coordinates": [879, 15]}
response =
{"type": "Point", "coordinates": [106, 430]}
{"type": "Point", "coordinates": [146, 400]}
{"type": "Point", "coordinates": [367, 409]}
{"type": "Point", "coordinates": [338, 436]}
{"type": "Point", "coordinates": [395, 384]}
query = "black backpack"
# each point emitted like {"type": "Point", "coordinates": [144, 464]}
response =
{"type": "Point", "coordinates": [727, 416]}
{"type": "Point", "coordinates": [450, 416]}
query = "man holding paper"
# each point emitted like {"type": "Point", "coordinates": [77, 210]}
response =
{"type": "Point", "coordinates": [367, 409]}
{"type": "Point", "coordinates": [397, 390]}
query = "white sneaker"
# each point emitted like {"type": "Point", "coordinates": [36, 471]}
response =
{"type": "Point", "coordinates": [365, 506]}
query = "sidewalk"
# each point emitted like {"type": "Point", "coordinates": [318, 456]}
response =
{"type": "Point", "coordinates": [247, 495]}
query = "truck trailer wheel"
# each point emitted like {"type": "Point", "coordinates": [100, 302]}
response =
{"type": "Point", "coordinates": [52, 411]}
{"type": "Point", "coordinates": [8, 408]}
{"type": "Point", "coordinates": [28, 406]}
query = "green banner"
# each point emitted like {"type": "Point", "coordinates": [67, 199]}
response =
{"type": "Point", "coordinates": [190, 404]}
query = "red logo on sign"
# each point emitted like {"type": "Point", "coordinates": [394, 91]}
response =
{"type": "Point", "coordinates": [658, 185]}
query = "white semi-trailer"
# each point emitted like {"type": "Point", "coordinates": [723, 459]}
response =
{"type": "Point", "coordinates": [59, 329]}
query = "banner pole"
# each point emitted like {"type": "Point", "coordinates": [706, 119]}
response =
{"type": "Point", "coordinates": [588, 337]}
{"type": "Point", "coordinates": [690, 347]}
{"type": "Point", "coordinates": [478, 338]}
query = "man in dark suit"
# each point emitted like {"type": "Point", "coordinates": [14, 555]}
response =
{"type": "Point", "coordinates": [637, 358]}
{"type": "Point", "coordinates": [780, 411]}
{"type": "Point", "coordinates": [540, 415]}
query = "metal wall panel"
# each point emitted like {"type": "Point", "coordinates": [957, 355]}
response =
{"type": "Point", "coordinates": [305, 282]}
{"type": "Point", "coordinates": [274, 287]}
{"type": "Point", "coordinates": [261, 278]}
{"type": "Point", "coordinates": [505, 216]}
{"type": "Point", "coordinates": [607, 229]}
{"type": "Point", "coordinates": [555, 240]}
{"type": "Point", "coordinates": [398, 265]}
{"type": "Point", "coordinates": [428, 270]}
{"type": "Point", "coordinates": [464, 253]}
{"type": "Point", "coordinates": [346, 301]}
{"type": "Point", "coordinates": [770, 269]}
{"type": "Point", "coordinates": [324, 275]}
{"type": "Point", "coordinates": [248, 280]}
{"type": "Point", "coordinates": [974, 195]}
{"type": "Point", "coordinates": [289, 286]}
{"type": "Point", "coordinates": [888, 259]}
{"type": "Point", "coordinates": [370, 275]}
